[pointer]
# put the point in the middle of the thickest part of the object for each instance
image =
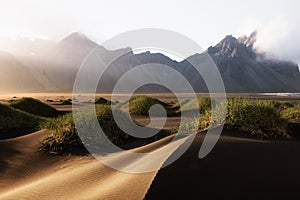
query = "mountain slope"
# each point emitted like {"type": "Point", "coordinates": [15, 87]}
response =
{"type": "Point", "coordinates": [15, 77]}
{"type": "Point", "coordinates": [56, 67]}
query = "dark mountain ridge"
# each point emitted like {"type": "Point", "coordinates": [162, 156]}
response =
{"type": "Point", "coordinates": [242, 68]}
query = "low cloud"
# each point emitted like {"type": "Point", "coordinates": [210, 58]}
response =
{"type": "Point", "coordinates": [279, 39]}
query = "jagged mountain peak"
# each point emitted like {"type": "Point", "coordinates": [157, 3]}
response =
{"type": "Point", "coordinates": [243, 40]}
{"type": "Point", "coordinates": [77, 39]}
{"type": "Point", "coordinates": [248, 41]}
{"type": "Point", "coordinates": [231, 47]}
{"type": "Point", "coordinates": [76, 36]}
{"type": "Point", "coordinates": [229, 39]}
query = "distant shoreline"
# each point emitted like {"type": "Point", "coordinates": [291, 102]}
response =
{"type": "Point", "coordinates": [279, 96]}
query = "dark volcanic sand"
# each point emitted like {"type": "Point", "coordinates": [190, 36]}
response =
{"type": "Point", "coordinates": [237, 168]}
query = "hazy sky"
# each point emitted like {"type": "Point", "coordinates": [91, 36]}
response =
{"type": "Point", "coordinates": [206, 22]}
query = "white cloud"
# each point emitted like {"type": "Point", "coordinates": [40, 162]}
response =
{"type": "Point", "coordinates": [280, 38]}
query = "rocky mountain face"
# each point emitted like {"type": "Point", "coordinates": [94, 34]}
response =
{"type": "Point", "coordinates": [242, 68]}
{"type": "Point", "coordinates": [245, 70]}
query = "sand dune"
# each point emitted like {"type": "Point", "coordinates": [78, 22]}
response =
{"type": "Point", "coordinates": [30, 174]}
{"type": "Point", "coordinates": [237, 168]}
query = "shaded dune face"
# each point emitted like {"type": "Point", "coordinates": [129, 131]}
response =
{"type": "Point", "coordinates": [237, 168]}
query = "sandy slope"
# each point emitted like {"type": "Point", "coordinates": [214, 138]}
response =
{"type": "Point", "coordinates": [28, 174]}
{"type": "Point", "coordinates": [237, 168]}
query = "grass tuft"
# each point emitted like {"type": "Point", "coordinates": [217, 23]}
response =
{"type": "Point", "coordinates": [140, 105]}
{"type": "Point", "coordinates": [66, 102]}
{"type": "Point", "coordinates": [291, 113]}
{"type": "Point", "coordinates": [34, 106]}
{"type": "Point", "coordinates": [102, 100]}
{"type": "Point", "coordinates": [204, 104]}
{"type": "Point", "coordinates": [64, 136]}
{"type": "Point", "coordinates": [259, 118]}
{"type": "Point", "coordinates": [12, 119]}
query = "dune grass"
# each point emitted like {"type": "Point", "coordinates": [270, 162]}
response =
{"type": "Point", "coordinates": [292, 113]}
{"type": "Point", "coordinates": [13, 119]}
{"type": "Point", "coordinates": [204, 104]}
{"type": "Point", "coordinates": [101, 100]}
{"type": "Point", "coordinates": [260, 118]}
{"type": "Point", "coordinates": [34, 106]}
{"type": "Point", "coordinates": [257, 119]}
{"type": "Point", "coordinates": [281, 105]}
{"type": "Point", "coordinates": [64, 136]}
{"type": "Point", "coordinates": [140, 105]}
{"type": "Point", "coordinates": [66, 102]}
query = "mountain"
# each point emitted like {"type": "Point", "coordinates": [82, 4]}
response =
{"type": "Point", "coordinates": [72, 50]}
{"type": "Point", "coordinates": [56, 66]}
{"type": "Point", "coordinates": [14, 76]}
{"type": "Point", "coordinates": [64, 59]}
{"type": "Point", "coordinates": [242, 68]}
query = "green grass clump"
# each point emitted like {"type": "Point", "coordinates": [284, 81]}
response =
{"type": "Point", "coordinates": [66, 102]}
{"type": "Point", "coordinates": [34, 106]}
{"type": "Point", "coordinates": [140, 105]}
{"type": "Point", "coordinates": [255, 117]}
{"type": "Point", "coordinates": [13, 119]}
{"type": "Point", "coordinates": [282, 105]}
{"type": "Point", "coordinates": [64, 136]}
{"type": "Point", "coordinates": [102, 100]}
{"type": "Point", "coordinates": [204, 104]}
{"type": "Point", "coordinates": [291, 113]}
{"type": "Point", "coordinates": [259, 120]}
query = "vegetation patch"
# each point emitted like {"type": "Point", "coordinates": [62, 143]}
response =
{"type": "Point", "coordinates": [34, 106]}
{"type": "Point", "coordinates": [140, 105]}
{"type": "Point", "coordinates": [13, 119]}
{"type": "Point", "coordinates": [291, 113]}
{"type": "Point", "coordinates": [64, 136]}
{"type": "Point", "coordinates": [66, 102]}
{"type": "Point", "coordinates": [259, 120]}
{"type": "Point", "coordinates": [281, 105]}
{"type": "Point", "coordinates": [254, 117]}
{"type": "Point", "coordinates": [101, 100]}
{"type": "Point", "coordinates": [203, 102]}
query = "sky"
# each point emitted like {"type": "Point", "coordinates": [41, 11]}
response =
{"type": "Point", "coordinates": [206, 22]}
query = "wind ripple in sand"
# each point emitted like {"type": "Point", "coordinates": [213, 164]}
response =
{"type": "Point", "coordinates": [77, 177]}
